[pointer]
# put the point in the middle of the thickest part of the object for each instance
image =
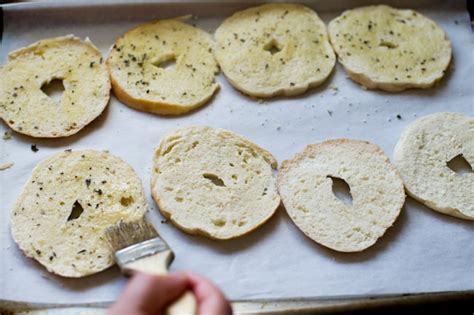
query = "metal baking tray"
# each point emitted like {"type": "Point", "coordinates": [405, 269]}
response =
{"type": "Point", "coordinates": [276, 268]}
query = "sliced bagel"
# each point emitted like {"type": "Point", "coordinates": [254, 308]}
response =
{"type": "Point", "coordinates": [141, 79]}
{"type": "Point", "coordinates": [274, 49]}
{"type": "Point", "coordinates": [213, 182]}
{"type": "Point", "coordinates": [390, 49]}
{"type": "Point", "coordinates": [305, 185]}
{"type": "Point", "coordinates": [423, 154]}
{"type": "Point", "coordinates": [66, 205]}
{"type": "Point", "coordinates": [78, 64]}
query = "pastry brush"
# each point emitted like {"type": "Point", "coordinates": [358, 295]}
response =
{"type": "Point", "coordinates": [138, 247]}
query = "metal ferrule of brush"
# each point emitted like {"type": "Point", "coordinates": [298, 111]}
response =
{"type": "Point", "coordinates": [140, 250]}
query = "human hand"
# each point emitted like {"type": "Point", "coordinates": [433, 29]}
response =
{"type": "Point", "coordinates": [150, 295]}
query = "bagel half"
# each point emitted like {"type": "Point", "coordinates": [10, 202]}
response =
{"type": "Point", "coordinates": [78, 64]}
{"type": "Point", "coordinates": [422, 155]}
{"type": "Point", "coordinates": [213, 182]}
{"type": "Point", "coordinates": [305, 184]}
{"type": "Point", "coordinates": [274, 49]}
{"type": "Point", "coordinates": [390, 49]}
{"type": "Point", "coordinates": [71, 198]}
{"type": "Point", "coordinates": [140, 78]}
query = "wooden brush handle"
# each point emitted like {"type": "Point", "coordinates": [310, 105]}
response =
{"type": "Point", "coordinates": [186, 304]}
{"type": "Point", "coordinates": [158, 265]}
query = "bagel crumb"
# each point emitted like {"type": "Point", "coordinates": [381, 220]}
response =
{"type": "Point", "coordinates": [7, 135]}
{"type": "Point", "coordinates": [6, 165]}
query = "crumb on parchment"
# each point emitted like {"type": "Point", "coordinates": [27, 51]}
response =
{"type": "Point", "coordinates": [7, 135]}
{"type": "Point", "coordinates": [6, 165]}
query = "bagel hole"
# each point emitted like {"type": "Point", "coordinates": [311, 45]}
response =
{"type": "Point", "coordinates": [54, 89]}
{"type": "Point", "coordinates": [76, 211]}
{"type": "Point", "coordinates": [459, 165]}
{"type": "Point", "coordinates": [388, 44]}
{"type": "Point", "coordinates": [272, 47]}
{"type": "Point", "coordinates": [216, 180]}
{"type": "Point", "coordinates": [165, 62]}
{"type": "Point", "coordinates": [341, 190]}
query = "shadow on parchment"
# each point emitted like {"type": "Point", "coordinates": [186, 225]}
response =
{"type": "Point", "coordinates": [446, 219]}
{"type": "Point", "coordinates": [79, 284]}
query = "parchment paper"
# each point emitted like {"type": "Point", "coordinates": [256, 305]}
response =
{"type": "Point", "coordinates": [423, 252]}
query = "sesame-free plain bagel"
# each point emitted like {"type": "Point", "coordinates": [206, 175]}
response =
{"type": "Point", "coordinates": [71, 198]}
{"type": "Point", "coordinates": [305, 183]}
{"type": "Point", "coordinates": [274, 49]}
{"type": "Point", "coordinates": [213, 182]}
{"type": "Point", "coordinates": [164, 67]}
{"type": "Point", "coordinates": [390, 49]}
{"type": "Point", "coordinates": [422, 155]}
{"type": "Point", "coordinates": [78, 64]}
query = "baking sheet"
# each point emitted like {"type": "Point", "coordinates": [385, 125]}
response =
{"type": "Point", "coordinates": [423, 252]}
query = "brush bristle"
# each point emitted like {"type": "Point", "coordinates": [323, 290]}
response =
{"type": "Point", "coordinates": [125, 234]}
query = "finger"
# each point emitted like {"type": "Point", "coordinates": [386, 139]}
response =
{"type": "Point", "coordinates": [148, 294]}
{"type": "Point", "coordinates": [209, 298]}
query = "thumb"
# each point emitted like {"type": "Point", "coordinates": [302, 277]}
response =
{"type": "Point", "coordinates": [149, 294]}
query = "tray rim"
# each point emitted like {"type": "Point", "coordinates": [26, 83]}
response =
{"type": "Point", "coordinates": [326, 304]}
